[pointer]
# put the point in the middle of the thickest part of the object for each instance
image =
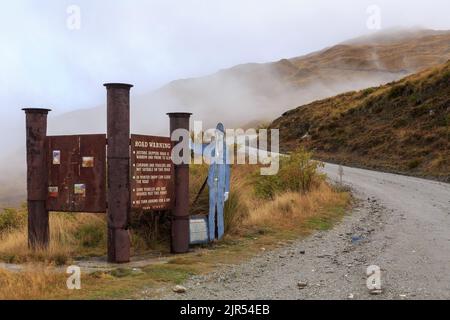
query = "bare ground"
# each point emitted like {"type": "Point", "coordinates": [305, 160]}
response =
{"type": "Point", "coordinates": [400, 223]}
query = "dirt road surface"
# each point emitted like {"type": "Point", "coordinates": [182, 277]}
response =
{"type": "Point", "coordinates": [401, 224]}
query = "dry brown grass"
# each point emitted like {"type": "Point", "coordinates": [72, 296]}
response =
{"type": "Point", "coordinates": [36, 282]}
{"type": "Point", "coordinates": [291, 209]}
{"type": "Point", "coordinates": [67, 239]}
{"type": "Point", "coordinates": [286, 216]}
{"type": "Point", "coordinates": [246, 210]}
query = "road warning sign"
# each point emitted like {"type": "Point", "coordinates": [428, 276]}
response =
{"type": "Point", "coordinates": [151, 173]}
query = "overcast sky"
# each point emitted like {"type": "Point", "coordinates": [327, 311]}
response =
{"type": "Point", "coordinates": [44, 63]}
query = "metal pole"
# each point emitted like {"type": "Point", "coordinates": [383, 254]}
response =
{"type": "Point", "coordinates": [180, 214]}
{"type": "Point", "coordinates": [37, 177]}
{"type": "Point", "coordinates": [118, 155]}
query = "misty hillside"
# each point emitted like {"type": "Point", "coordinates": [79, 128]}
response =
{"type": "Point", "coordinates": [260, 92]}
{"type": "Point", "coordinates": [253, 93]}
{"type": "Point", "coordinates": [403, 126]}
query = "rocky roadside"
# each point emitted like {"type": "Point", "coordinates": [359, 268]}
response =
{"type": "Point", "coordinates": [328, 265]}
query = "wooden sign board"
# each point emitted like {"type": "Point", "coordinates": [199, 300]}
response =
{"type": "Point", "coordinates": [77, 173]}
{"type": "Point", "coordinates": [152, 172]}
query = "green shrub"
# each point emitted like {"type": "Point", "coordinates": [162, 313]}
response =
{"type": "Point", "coordinates": [266, 187]}
{"type": "Point", "coordinates": [401, 89]}
{"type": "Point", "coordinates": [413, 164]}
{"type": "Point", "coordinates": [446, 77]}
{"type": "Point", "coordinates": [415, 98]}
{"type": "Point", "coordinates": [90, 235]}
{"type": "Point", "coordinates": [11, 219]}
{"type": "Point", "coordinates": [297, 173]}
{"type": "Point", "coordinates": [368, 91]}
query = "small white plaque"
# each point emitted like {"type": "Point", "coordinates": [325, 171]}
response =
{"type": "Point", "coordinates": [198, 227]}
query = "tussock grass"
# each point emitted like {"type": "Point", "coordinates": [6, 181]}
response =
{"type": "Point", "coordinates": [71, 235]}
{"type": "Point", "coordinates": [36, 282]}
{"type": "Point", "coordinates": [402, 126]}
{"type": "Point", "coordinates": [292, 209]}
{"type": "Point", "coordinates": [284, 201]}
{"type": "Point", "coordinates": [304, 203]}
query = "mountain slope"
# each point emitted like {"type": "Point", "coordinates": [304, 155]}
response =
{"type": "Point", "coordinates": [261, 92]}
{"type": "Point", "coordinates": [402, 126]}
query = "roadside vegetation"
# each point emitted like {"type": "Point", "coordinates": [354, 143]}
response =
{"type": "Point", "coordinates": [400, 127]}
{"type": "Point", "coordinates": [262, 212]}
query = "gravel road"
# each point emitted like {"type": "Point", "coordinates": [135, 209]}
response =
{"type": "Point", "coordinates": [401, 224]}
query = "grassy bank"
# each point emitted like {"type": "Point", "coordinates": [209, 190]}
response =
{"type": "Point", "coordinates": [401, 127]}
{"type": "Point", "coordinates": [262, 213]}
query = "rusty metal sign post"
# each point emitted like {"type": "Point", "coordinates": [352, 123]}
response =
{"type": "Point", "coordinates": [37, 177]}
{"type": "Point", "coordinates": [180, 213]}
{"type": "Point", "coordinates": [77, 174]}
{"type": "Point", "coordinates": [119, 205]}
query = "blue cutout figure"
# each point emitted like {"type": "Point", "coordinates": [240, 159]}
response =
{"type": "Point", "coordinates": [218, 180]}
{"type": "Point", "coordinates": [218, 183]}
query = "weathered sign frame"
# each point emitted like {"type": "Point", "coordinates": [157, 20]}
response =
{"type": "Point", "coordinates": [77, 173]}
{"type": "Point", "coordinates": [118, 193]}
